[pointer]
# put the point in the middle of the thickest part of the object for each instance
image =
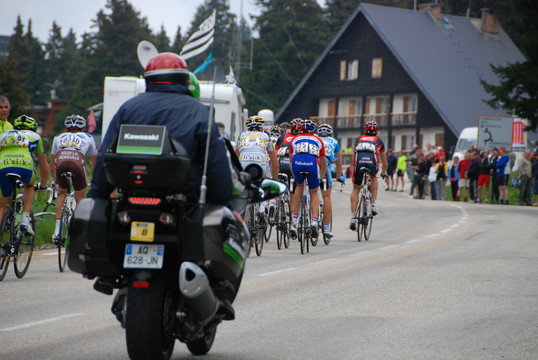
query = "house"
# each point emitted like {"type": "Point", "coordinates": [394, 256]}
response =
{"type": "Point", "coordinates": [417, 73]}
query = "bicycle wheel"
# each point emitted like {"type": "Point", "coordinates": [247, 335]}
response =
{"type": "Point", "coordinates": [359, 214]}
{"type": "Point", "coordinates": [25, 249]}
{"type": "Point", "coordinates": [260, 226]}
{"type": "Point", "coordinates": [367, 227]}
{"type": "Point", "coordinates": [5, 247]}
{"type": "Point", "coordinates": [280, 223]}
{"type": "Point", "coordinates": [300, 229]}
{"type": "Point", "coordinates": [287, 223]}
{"type": "Point", "coordinates": [63, 251]}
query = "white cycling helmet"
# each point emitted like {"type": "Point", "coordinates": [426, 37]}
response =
{"type": "Point", "coordinates": [75, 121]}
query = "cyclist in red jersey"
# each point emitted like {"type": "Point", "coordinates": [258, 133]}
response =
{"type": "Point", "coordinates": [368, 149]}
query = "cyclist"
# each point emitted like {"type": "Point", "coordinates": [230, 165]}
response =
{"type": "Point", "coordinates": [69, 150]}
{"type": "Point", "coordinates": [332, 152]}
{"type": "Point", "coordinates": [282, 147]}
{"type": "Point", "coordinates": [275, 133]}
{"type": "Point", "coordinates": [368, 148]}
{"type": "Point", "coordinates": [255, 147]}
{"type": "Point", "coordinates": [307, 154]}
{"type": "Point", "coordinates": [16, 149]}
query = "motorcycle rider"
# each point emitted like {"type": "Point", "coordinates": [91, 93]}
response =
{"type": "Point", "coordinates": [168, 102]}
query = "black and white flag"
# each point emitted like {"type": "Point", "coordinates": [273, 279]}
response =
{"type": "Point", "coordinates": [201, 39]}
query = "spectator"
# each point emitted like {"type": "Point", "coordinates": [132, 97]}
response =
{"type": "Point", "coordinates": [419, 175]}
{"type": "Point", "coordinates": [503, 173]}
{"type": "Point", "coordinates": [5, 108]}
{"type": "Point", "coordinates": [473, 174]}
{"type": "Point", "coordinates": [534, 147]}
{"type": "Point", "coordinates": [440, 152]}
{"type": "Point", "coordinates": [484, 175]}
{"type": "Point", "coordinates": [524, 167]}
{"type": "Point", "coordinates": [454, 176]}
{"type": "Point", "coordinates": [222, 130]}
{"type": "Point", "coordinates": [392, 162]}
{"type": "Point", "coordinates": [494, 177]}
{"type": "Point", "coordinates": [441, 171]}
{"type": "Point", "coordinates": [429, 189]}
{"type": "Point", "coordinates": [400, 170]}
{"type": "Point", "coordinates": [411, 158]}
{"type": "Point", "coordinates": [463, 182]}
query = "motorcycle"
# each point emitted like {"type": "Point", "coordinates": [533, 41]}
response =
{"type": "Point", "coordinates": [177, 265]}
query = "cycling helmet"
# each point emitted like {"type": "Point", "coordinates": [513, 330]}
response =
{"type": "Point", "coordinates": [194, 86]}
{"type": "Point", "coordinates": [254, 122]}
{"type": "Point", "coordinates": [75, 121]}
{"type": "Point", "coordinates": [276, 130]}
{"type": "Point", "coordinates": [325, 130]}
{"type": "Point", "coordinates": [307, 126]}
{"type": "Point", "coordinates": [294, 125]}
{"type": "Point", "coordinates": [371, 128]}
{"type": "Point", "coordinates": [167, 68]}
{"type": "Point", "coordinates": [24, 122]}
{"type": "Point", "coordinates": [285, 125]}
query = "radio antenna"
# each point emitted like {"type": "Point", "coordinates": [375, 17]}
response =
{"type": "Point", "coordinates": [203, 186]}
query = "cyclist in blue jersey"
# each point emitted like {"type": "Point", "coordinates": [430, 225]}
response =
{"type": "Point", "coordinates": [307, 155]}
{"type": "Point", "coordinates": [334, 162]}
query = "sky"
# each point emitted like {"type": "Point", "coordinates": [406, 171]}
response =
{"type": "Point", "coordinates": [78, 14]}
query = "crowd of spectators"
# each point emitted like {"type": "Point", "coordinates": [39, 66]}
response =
{"type": "Point", "coordinates": [480, 177]}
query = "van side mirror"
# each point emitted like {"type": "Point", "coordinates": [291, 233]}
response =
{"type": "Point", "coordinates": [269, 189]}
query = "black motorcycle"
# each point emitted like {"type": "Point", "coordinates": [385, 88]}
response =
{"type": "Point", "coordinates": [177, 265]}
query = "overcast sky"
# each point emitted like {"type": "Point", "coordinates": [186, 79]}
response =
{"type": "Point", "coordinates": [78, 14]}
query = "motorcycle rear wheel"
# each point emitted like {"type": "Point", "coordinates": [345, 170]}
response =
{"type": "Point", "coordinates": [203, 345]}
{"type": "Point", "coordinates": [144, 321]}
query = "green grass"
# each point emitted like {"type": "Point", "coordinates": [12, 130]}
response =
{"type": "Point", "coordinates": [44, 227]}
{"type": "Point", "coordinates": [513, 193]}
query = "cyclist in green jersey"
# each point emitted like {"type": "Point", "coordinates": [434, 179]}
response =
{"type": "Point", "coordinates": [16, 148]}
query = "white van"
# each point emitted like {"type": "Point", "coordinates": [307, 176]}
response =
{"type": "Point", "coordinates": [468, 137]}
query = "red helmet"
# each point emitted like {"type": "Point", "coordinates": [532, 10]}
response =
{"type": "Point", "coordinates": [166, 67]}
{"type": "Point", "coordinates": [371, 128]}
{"type": "Point", "coordinates": [294, 124]}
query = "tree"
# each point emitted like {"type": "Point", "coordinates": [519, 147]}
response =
{"type": "Point", "coordinates": [517, 91]}
{"type": "Point", "coordinates": [291, 37]}
{"type": "Point", "coordinates": [11, 87]}
{"type": "Point", "coordinates": [162, 41]}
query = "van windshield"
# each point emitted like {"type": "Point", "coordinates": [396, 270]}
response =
{"type": "Point", "coordinates": [463, 145]}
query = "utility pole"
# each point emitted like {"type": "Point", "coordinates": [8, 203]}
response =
{"type": "Point", "coordinates": [240, 40]}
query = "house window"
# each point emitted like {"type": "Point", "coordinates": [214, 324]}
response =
{"type": "Point", "coordinates": [377, 68]}
{"type": "Point", "coordinates": [349, 70]}
{"type": "Point", "coordinates": [439, 139]}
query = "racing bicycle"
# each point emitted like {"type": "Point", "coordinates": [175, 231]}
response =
{"type": "Point", "coordinates": [363, 213]}
{"type": "Point", "coordinates": [68, 209]}
{"type": "Point", "coordinates": [257, 225]}
{"type": "Point", "coordinates": [15, 244]}
{"type": "Point", "coordinates": [283, 217]}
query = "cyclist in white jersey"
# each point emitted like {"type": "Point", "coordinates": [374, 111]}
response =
{"type": "Point", "coordinates": [69, 151]}
{"type": "Point", "coordinates": [255, 147]}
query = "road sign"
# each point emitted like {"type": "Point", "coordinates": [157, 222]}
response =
{"type": "Point", "coordinates": [494, 132]}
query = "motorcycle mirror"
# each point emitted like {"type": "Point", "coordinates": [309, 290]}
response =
{"type": "Point", "coordinates": [270, 189]}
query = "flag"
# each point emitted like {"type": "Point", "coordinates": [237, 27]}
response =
{"type": "Point", "coordinates": [230, 78]}
{"type": "Point", "coordinates": [204, 65]}
{"type": "Point", "coordinates": [92, 125]}
{"type": "Point", "coordinates": [201, 39]}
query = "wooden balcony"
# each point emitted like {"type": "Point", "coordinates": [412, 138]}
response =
{"type": "Point", "coordinates": [345, 122]}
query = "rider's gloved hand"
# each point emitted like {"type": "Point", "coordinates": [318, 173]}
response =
{"type": "Point", "coordinates": [342, 179]}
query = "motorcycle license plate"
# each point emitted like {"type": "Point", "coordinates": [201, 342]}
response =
{"type": "Point", "coordinates": [142, 256]}
{"type": "Point", "coordinates": [142, 231]}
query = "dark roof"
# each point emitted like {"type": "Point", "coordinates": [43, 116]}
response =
{"type": "Point", "coordinates": [446, 60]}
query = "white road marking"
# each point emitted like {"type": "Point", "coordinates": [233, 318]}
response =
{"type": "Point", "coordinates": [40, 322]}
{"type": "Point", "coordinates": [446, 230]}
{"type": "Point", "coordinates": [431, 235]}
{"type": "Point", "coordinates": [455, 226]}
{"type": "Point", "coordinates": [276, 272]}
{"type": "Point", "coordinates": [325, 261]}
{"type": "Point", "coordinates": [360, 253]}
{"type": "Point", "coordinates": [413, 241]}
{"type": "Point", "coordinates": [388, 247]}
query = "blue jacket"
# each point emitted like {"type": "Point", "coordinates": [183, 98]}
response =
{"type": "Point", "coordinates": [186, 120]}
{"type": "Point", "coordinates": [453, 173]}
{"type": "Point", "coordinates": [501, 164]}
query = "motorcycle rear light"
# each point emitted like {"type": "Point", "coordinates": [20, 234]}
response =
{"type": "Point", "coordinates": [141, 284]}
{"type": "Point", "coordinates": [167, 219]}
{"type": "Point", "coordinates": [124, 218]}
{"type": "Point", "coordinates": [144, 201]}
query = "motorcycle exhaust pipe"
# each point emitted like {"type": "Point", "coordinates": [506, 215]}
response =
{"type": "Point", "coordinates": [194, 285]}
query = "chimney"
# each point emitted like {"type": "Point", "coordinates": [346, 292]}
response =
{"type": "Point", "coordinates": [433, 8]}
{"type": "Point", "coordinates": [489, 22]}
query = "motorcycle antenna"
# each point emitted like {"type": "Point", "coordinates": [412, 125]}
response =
{"type": "Point", "coordinates": [203, 186]}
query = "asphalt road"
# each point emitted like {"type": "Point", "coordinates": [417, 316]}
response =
{"type": "Point", "coordinates": [437, 280]}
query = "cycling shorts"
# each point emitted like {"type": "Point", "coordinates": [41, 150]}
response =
{"type": "Point", "coordinates": [284, 165]}
{"type": "Point", "coordinates": [483, 180]}
{"type": "Point", "coordinates": [367, 160]}
{"type": "Point", "coordinates": [5, 183]}
{"type": "Point", "coordinates": [71, 161]}
{"type": "Point", "coordinates": [503, 179]}
{"type": "Point", "coordinates": [306, 162]}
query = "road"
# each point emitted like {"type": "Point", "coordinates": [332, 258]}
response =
{"type": "Point", "coordinates": [437, 280]}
